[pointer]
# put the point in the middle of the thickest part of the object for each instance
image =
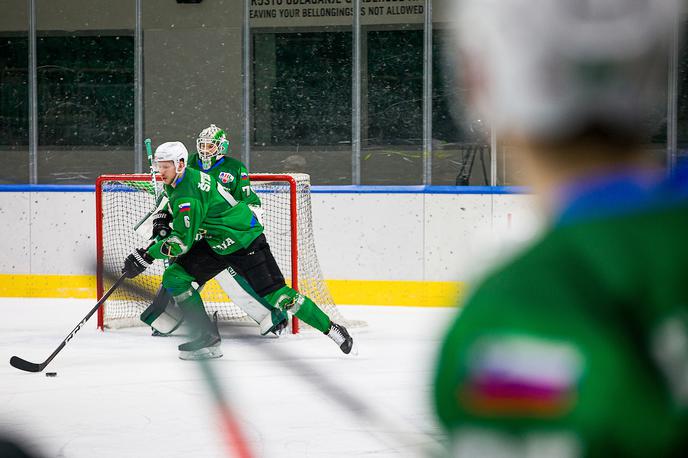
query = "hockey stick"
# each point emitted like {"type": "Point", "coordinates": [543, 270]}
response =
{"type": "Point", "coordinates": [149, 153]}
{"type": "Point", "coordinates": [27, 366]}
{"type": "Point", "coordinates": [158, 197]}
{"type": "Point", "coordinates": [389, 430]}
{"type": "Point", "coordinates": [233, 433]}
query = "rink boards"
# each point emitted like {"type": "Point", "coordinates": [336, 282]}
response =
{"type": "Point", "coordinates": [384, 246]}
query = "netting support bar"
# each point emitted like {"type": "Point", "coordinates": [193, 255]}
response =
{"type": "Point", "coordinates": [294, 233]}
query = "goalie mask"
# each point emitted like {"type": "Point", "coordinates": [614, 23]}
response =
{"type": "Point", "coordinates": [211, 144]}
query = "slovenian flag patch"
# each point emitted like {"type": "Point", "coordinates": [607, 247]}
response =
{"type": "Point", "coordinates": [244, 176]}
{"type": "Point", "coordinates": [184, 207]}
{"type": "Point", "coordinates": [522, 375]}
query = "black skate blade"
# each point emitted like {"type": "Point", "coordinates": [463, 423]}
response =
{"type": "Point", "coordinates": [25, 365]}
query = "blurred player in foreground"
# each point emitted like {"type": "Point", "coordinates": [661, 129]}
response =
{"type": "Point", "coordinates": [232, 237]}
{"type": "Point", "coordinates": [579, 345]}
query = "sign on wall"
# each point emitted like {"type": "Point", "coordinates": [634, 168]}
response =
{"type": "Point", "coordinates": [299, 13]}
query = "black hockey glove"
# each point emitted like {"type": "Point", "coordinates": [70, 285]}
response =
{"type": "Point", "coordinates": [136, 262]}
{"type": "Point", "coordinates": [161, 224]}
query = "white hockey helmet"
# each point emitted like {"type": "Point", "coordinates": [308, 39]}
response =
{"type": "Point", "coordinates": [172, 151]}
{"type": "Point", "coordinates": [550, 69]}
{"type": "Point", "coordinates": [211, 143]}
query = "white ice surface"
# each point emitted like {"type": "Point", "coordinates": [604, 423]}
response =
{"type": "Point", "coordinates": [126, 394]}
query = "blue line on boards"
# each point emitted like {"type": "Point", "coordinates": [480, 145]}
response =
{"type": "Point", "coordinates": [346, 189]}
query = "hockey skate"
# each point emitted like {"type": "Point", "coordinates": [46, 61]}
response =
{"type": "Point", "coordinates": [206, 346]}
{"type": "Point", "coordinates": [341, 337]}
{"type": "Point", "coordinates": [280, 328]}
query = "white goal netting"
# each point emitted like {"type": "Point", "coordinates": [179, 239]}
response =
{"type": "Point", "coordinates": [123, 200]}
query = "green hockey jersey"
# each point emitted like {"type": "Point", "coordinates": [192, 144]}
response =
{"type": "Point", "coordinates": [232, 174]}
{"type": "Point", "coordinates": [202, 208]}
{"type": "Point", "coordinates": [579, 346]}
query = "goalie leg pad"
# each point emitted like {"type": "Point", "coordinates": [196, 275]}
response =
{"type": "Point", "coordinates": [163, 315]}
{"type": "Point", "coordinates": [269, 318]}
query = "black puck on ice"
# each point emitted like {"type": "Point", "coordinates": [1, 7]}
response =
{"type": "Point", "coordinates": [51, 374]}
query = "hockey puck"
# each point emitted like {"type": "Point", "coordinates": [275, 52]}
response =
{"type": "Point", "coordinates": [51, 374]}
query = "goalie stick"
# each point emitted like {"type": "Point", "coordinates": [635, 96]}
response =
{"type": "Point", "coordinates": [28, 366]}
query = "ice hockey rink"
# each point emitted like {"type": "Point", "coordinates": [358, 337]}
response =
{"type": "Point", "coordinates": [126, 394]}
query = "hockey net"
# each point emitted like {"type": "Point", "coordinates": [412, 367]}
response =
{"type": "Point", "coordinates": [124, 200]}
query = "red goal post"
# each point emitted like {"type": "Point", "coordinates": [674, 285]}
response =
{"type": "Point", "coordinates": [123, 200]}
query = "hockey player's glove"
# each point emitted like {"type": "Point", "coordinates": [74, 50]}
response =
{"type": "Point", "coordinates": [136, 262]}
{"type": "Point", "coordinates": [161, 224]}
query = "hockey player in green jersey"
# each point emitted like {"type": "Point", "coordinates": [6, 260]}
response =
{"type": "Point", "coordinates": [211, 157]}
{"type": "Point", "coordinates": [212, 148]}
{"type": "Point", "coordinates": [579, 345]}
{"type": "Point", "coordinates": [232, 237]}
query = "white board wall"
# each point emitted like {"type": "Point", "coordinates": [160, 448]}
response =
{"type": "Point", "coordinates": [431, 237]}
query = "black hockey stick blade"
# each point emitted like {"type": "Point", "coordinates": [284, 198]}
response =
{"type": "Point", "coordinates": [28, 366]}
{"type": "Point", "coordinates": [25, 365]}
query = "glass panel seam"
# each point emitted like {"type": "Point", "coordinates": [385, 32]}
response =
{"type": "Point", "coordinates": [427, 96]}
{"type": "Point", "coordinates": [138, 90]}
{"type": "Point", "coordinates": [33, 97]}
{"type": "Point", "coordinates": [672, 98]}
{"type": "Point", "coordinates": [356, 97]}
{"type": "Point", "coordinates": [246, 93]}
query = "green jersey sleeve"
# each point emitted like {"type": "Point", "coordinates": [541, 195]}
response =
{"type": "Point", "coordinates": [187, 215]}
{"type": "Point", "coordinates": [243, 189]}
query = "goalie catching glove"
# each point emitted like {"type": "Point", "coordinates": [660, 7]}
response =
{"type": "Point", "coordinates": [136, 262]}
{"type": "Point", "coordinates": [162, 224]}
